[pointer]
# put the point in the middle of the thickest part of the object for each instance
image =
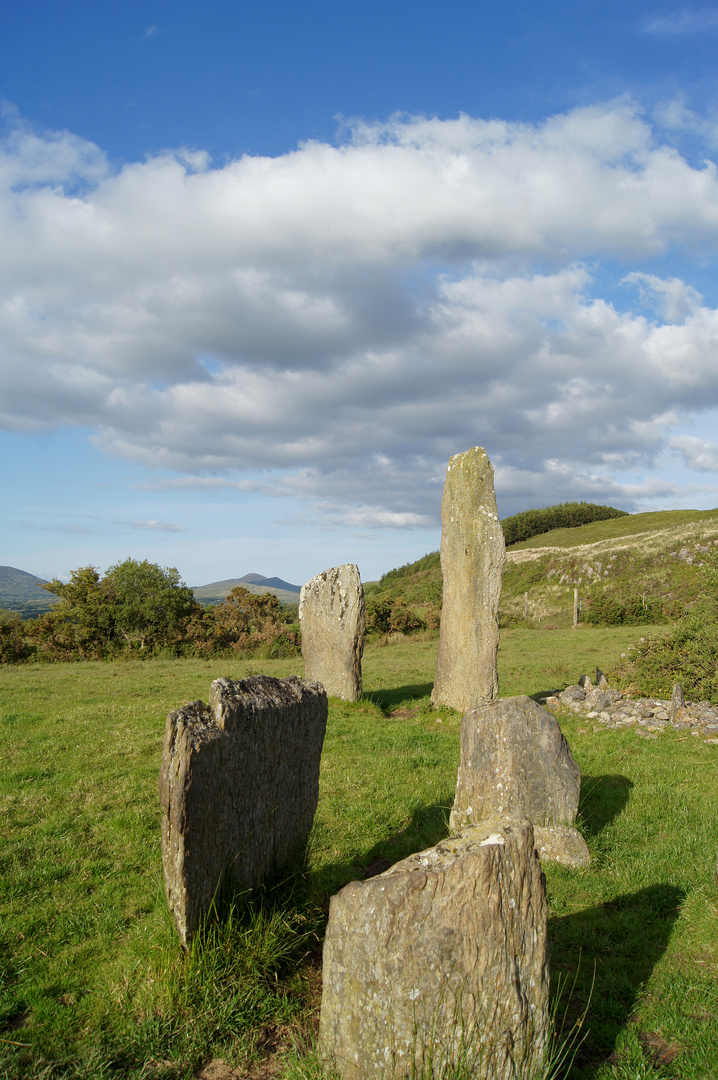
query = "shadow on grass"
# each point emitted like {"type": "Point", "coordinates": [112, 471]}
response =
{"type": "Point", "coordinates": [624, 938]}
{"type": "Point", "coordinates": [390, 699]}
{"type": "Point", "coordinates": [603, 798]}
{"type": "Point", "coordinates": [427, 825]}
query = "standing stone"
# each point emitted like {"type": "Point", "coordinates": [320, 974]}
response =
{"type": "Point", "coordinates": [472, 560]}
{"type": "Point", "coordinates": [678, 703]}
{"type": "Point", "coordinates": [515, 760]}
{"type": "Point", "coordinates": [331, 612]}
{"type": "Point", "coordinates": [439, 966]}
{"type": "Point", "coordinates": [239, 786]}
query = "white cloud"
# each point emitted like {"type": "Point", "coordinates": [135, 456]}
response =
{"type": "Point", "coordinates": [333, 324]}
{"type": "Point", "coordinates": [697, 453]}
{"type": "Point", "coordinates": [161, 526]}
{"type": "Point", "coordinates": [686, 20]}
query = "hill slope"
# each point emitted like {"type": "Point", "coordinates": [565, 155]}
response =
{"type": "Point", "coordinates": [21, 592]}
{"type": "Point", "coordinates": [650, 558]}
{"type": "Point", "coordinates": [216, 591]}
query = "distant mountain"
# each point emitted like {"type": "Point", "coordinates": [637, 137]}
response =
{"type": "Point", "coordinates": [216, 591]}
{"type": "Point", "coordinates": [21, 592]}
{"type": "Point", "coordinates": [268, 583]}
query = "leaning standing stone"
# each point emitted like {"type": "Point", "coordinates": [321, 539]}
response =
{"type": "Point", "coordinates": [331, 612]}
{"type": "Point", "coordinates": [472, 560]}
{"type": "Point", "coordinates": [239, 786]}
{"type": "Point", "coordinates": [515, 760]}
{"type": "Point", "coordinates": [439, 967]}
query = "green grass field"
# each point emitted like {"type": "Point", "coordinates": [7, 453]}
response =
{"type": "Point", "coordinates": [93, 982]}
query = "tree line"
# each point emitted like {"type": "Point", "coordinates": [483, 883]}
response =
{"type": "Point", "coordinates": [139, 609]}
{"type": "Point", "coordinates": [562, 516]}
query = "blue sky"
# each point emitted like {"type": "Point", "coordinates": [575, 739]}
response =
{"type": "Point", "coordinates": [265, 268]}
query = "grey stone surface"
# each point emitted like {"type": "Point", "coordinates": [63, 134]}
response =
{"type": "Point", "coordinates": [239, 785]}
{"type": "Point", "coordinates": [615, 709]}
{"type": "Point", "coordinates": [562, 844]}
{"type": "Point", "coordinates": [439, 966]}
{"type": "Point", "coordinates": [678, 701]}
{"type": "Point", "coordinates": [515, 760]}
{"type": "Point", "coordinates": [332, 616]}
{"type": "Point", "coordinates": [472, 561]}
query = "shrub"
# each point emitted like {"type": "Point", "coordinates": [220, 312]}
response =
{"type": "Point", "coordinates": [387, 616]}
{"type": "Point", "coordinates": [14, 645]}
{"type": "Point", "coordinates": [689, 654]}
{"type": "Point", "coordinates": [606, 610]}
{"type": "Point", "coordinates": [243, 624]}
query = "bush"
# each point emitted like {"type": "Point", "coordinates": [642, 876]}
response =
{"type": "Point", "coordinates": [605, 610]}
{"type": "Point", "coordinates": [689, 654]}
{"type": "Point", "coordinates": [388, 616]}
{"type": "Point", "coordinates": [243, 624]}
{"type": "Point", "coordinates": [14, 645]}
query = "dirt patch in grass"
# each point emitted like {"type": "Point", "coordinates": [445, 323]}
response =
{"type": "Point", "coordinates": [656, 1047]}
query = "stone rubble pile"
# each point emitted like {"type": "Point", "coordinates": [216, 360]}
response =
{"type": "Point", "coordinates": [650, 716]}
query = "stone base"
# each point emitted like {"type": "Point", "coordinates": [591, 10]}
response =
{"type": "Point", "coordinates": [562, 844]}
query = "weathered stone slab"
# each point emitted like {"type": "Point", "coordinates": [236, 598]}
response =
{"type": "Point", "coordinates": [678, 702]}
{"type": "Point", "coordinates": [332, 615]}
{"type": "Point", "coordinates": [515, 760]}
{"type": "Point", "coordinates": [239, 785]}
{"type": "Point", "coordinates": [472, 560]}
{"type": "Point", "coordinates": [439, 966]}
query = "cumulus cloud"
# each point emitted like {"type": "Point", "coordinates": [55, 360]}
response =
{"type": "Point", "coordinates": [696, 453]}
{"type": "Point", "coordinates": [334, 323]}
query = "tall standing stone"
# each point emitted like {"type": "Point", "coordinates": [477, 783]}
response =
{"type": "Point", "coordinates": [472, 561]}
{"type": "Point", "coordinates": [333, 619]}
{"type": "Point", "coordinates": [515, 760]}
{"type": "Point", "coordinates": [439, 966]}
{"type": "Point", "coordinates": [239, 786]}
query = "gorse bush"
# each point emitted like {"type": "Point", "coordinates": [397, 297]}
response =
{"type": "Point", "coordinates": [689, 654]}
{"type": "Point", "coordinates": [242, 623]}
{"type": "Point", "coordinates": [605, 610]}
{"type": "Point", "coordinates": [388, 616]}
{"type": "Point", "coordinates": [140, 609]}
{"type": "Point", "coordinates": [14, 646]}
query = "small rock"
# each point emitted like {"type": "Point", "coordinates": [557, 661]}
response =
{"type": "Point", "coordinates": [678, 700]}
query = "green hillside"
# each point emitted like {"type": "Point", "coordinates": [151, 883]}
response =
{"type": "Point", "coordinates": [641, 561]}
{"type": "Point", "coordinates": [21, 594]}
